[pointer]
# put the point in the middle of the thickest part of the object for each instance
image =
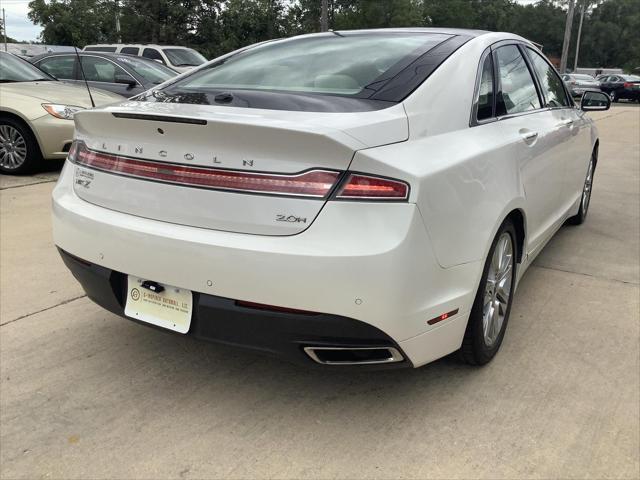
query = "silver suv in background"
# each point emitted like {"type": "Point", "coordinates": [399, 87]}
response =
{"type": "Point", "coordinates": [179, 58]}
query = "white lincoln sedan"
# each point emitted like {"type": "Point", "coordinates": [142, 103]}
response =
{"type": "Point", "coordinates": [346, 198]}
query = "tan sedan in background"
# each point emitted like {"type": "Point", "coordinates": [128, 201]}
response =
{"type": "Point", "coordinates": [36, 114]}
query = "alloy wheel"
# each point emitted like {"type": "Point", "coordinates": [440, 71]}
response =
{"type": "Point", "coordinates": [13, 147]}
{"type": "Point", "coordinates": [497, 292]}
{"type": "Point", "coordinates": [586, 191]}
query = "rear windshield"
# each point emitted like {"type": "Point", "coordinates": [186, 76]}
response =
{"type": "Point", "coordinates": [339, 64]}
{"type": "Point", "coordinates": [184, 57]}
{"type": "Point", "coordinates": [152, 72]}
{"type": "Point", "coordinates": [100, 49]}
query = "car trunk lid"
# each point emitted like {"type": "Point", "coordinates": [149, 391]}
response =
{"type": "Point", "coordinates": [197, 165]}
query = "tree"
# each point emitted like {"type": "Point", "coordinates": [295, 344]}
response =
{"type": "Point", "coordinates": [610, 34]}
{"type": "Point", "coordinates": [9, 39]}
{"type": "Point", "coordinates": [354, 14]}
{"type": "Point", "coordinates": [74, 22]}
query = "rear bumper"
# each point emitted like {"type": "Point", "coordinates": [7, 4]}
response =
{"type": "Point", "coordinates": [221, 320]}
{"type": "Point", "coordinates": [628, 94]}
{"type": "Point", "coordinates": [370, 263]}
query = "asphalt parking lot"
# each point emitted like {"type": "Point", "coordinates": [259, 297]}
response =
{"type": "Point", "coordinates": [86, 394]}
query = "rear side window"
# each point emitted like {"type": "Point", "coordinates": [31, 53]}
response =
{"type": "Point", "coordinates": [153, 54]}
{"type": "Point", "coordinates": [101, 70]}
{"type": "Point", "coordinates": [485, 91]}
{"type": "Point", "coordinates": [130, 50]}
{"type": "Point", "coordinates": [550, 82]}
{"type": "Point", "coordinates": [59, 67]}
{"type": "Point", "coordinates": [517, 89]}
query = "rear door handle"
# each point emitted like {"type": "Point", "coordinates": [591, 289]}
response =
{"type": "Point", "coordinates": [529, 136]}
{"type": "Point", "coordinates": [566, 123]}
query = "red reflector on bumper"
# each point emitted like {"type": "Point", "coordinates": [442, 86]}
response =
{"type": "Point", "coordinates": [313, 183]}
{"type": "Point", "coordinates": [442, 317]}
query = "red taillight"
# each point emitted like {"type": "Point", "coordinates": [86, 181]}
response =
{"type": "Point", "coordinates": [627, 85]}
{"type": "Point", "coordinates": [313, 183]}
{"type": "Point", "coordinates": [365, 187]}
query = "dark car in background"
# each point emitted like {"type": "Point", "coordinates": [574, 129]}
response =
{"type": "Point", "coordinates": [126, 75]}
{"type": "Point", "coordinates": [621, 87]}
{"type": "Point", "coordinates": [578, 83]}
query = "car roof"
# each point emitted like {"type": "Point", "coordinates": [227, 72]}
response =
{"type": "Point", "coordinates": [140, 45]}
{"type": "Point", "coordinates": [446, 31]}
{"type": "Point", "coordinates": [111, 55]}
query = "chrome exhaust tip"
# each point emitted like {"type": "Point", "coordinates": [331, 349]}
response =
{"type": "Point", "coordinates": [354, 355]}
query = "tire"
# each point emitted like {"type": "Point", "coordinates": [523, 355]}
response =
{"type": "Point", "coordinates": [613, 97]}
{"type": "Point", "coordinates": [585, 201]}
{"type": "Point", "coordinates": [19, 150]}
{"type": "Point", "coordinates": [484, 333]}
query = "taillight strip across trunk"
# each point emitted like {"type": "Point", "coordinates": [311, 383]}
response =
{"type": "Point", "coordinates": [315, 183]}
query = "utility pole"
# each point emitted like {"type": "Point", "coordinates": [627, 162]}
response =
{"type": "Point", "coordinates": [575, 61]}
{"type": "Point", "coordinates": [4, 30]}
{"type": "Point", "coordinates": [567, 37]}
{"type": "Point", "coordinates": [118, 38]}
{"type": "Point", "coordinates": [324, 16]}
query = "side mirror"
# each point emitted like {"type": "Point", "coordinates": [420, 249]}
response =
{"type": "Point", "coordinates": [126, 79]}
{"type": "Point", "coordinates": [593, 101]}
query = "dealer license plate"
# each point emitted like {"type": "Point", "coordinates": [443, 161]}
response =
{"type": "Point", "coordinates": [170, 308]}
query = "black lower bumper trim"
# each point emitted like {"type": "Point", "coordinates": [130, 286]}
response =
{"type": "Point", "coordinates": [222, 320]}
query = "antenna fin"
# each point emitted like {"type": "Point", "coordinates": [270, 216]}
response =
{"type": "Point", "coordinates": [84, 77]}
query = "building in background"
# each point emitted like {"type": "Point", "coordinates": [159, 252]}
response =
{"type": "Point", "coordinates": [32, 49]}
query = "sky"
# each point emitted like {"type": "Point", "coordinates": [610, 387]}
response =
{"type": "Point", "coordinates": [20, 27]}
{"type": "Point", "coordinates": [18, 24]}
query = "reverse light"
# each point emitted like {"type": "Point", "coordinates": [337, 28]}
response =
{"type": "Point", "coordinates": [366, 187]}
{"type": "Point", "coordinates": [312, 183]}
{"type": "Point", "coordinates": [65, 112]}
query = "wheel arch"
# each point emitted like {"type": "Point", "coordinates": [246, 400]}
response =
{"type": "Point", "coordinates": [25, 123]}
{"type": "Point", "coordinates": [517, 217]}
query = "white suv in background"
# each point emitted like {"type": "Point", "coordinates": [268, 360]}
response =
{"type": "Point", "coordinates": [180, 59]}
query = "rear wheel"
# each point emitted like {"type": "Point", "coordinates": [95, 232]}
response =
{"type": "Point", "coordinates": [19, 151]}
{"type": "Point", "coordinates": [613, 96]}
{"type": "Point", "coordinates": [491, 308]}
{"type": "Point", "coordinates": [580, 217]}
